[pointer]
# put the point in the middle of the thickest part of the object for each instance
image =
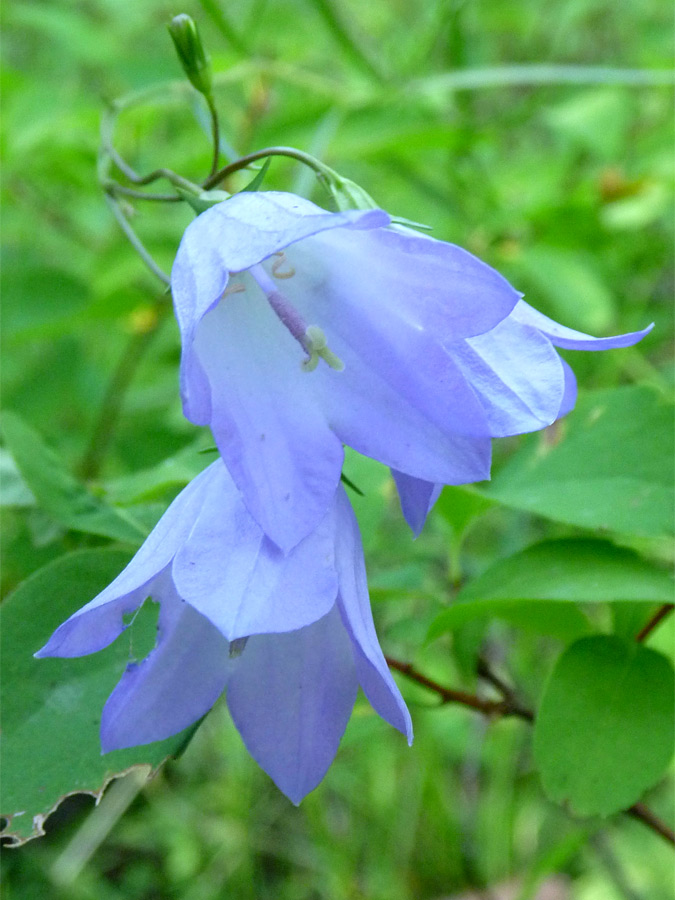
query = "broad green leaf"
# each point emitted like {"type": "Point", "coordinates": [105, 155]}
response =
{"type": "Point", "coordinates": [572, 569]}
{"type": "Point", "coordinates": [604, 730]}
{"type": "Point", "coordinates": [52, 707]}
{"type": "Point", "coordinates": [563, 621]}
{"type": "Point", "coordinates": [528, 587]}
{"type": "Point", "coordinates": [171, 473]}
{"type": "Point", "coordinates": [611, 469]}
{"type": "Point", "coordinates": [58, 492]}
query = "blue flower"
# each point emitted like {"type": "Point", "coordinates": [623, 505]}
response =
{"type": "Point", "coordinates": [289, 637]}
{"type": "Point", "coordinates": [304, 330]}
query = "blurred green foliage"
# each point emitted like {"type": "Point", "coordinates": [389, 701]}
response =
{"type": "Point", "coordinates": [565, 184]}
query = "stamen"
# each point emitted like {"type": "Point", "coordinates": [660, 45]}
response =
{"type": "Point", "coordinates": [310, 337]}
{"type": "Point", "coordinates": [236, 288]}
{"type": "Point", "coordinates": [278, 263]}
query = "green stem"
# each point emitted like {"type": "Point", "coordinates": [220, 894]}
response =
{"type": "Point", "coordinates": [113, 399]}
{"type": "Point", "coordinates": [113, 187]}
{"type": "Point", "coordinates": [244, 161]}
{"type": "Point", "coordinates": [215, 134]}
{"type": "Point", "coordinates": [134, 239]}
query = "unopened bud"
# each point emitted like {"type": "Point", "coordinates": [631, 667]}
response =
{"type": "Point", "coordinates": [194, 59]}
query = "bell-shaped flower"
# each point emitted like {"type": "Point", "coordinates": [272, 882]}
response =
{"type": "Point", "coordinates": [514, 369]}
{"type": "Point", "coordinates": [304, 330]}
{"type": "Point", "coordinates": [289, 636]}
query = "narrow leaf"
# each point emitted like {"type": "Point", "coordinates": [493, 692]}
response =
{"type": "Point", "coordinates": [58, 492]}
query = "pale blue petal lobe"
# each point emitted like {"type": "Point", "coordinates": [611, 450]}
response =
{"type": "Point", "coordinates": [417, 499]}
{"type": "Point", "coordinates": [354, 604]}
{"type": "Point", "coordinates": [290, 696]}
{"type": "Point", "coordinates": [569, 339]}
{"type": "Point", "coordinates": [238, 233]}
{"type": "Point", "coordinates": [517, 375]}
{"type": "Point", "coordinates": [570, 393]}
{"type": "Point", "coordinates": [419, 281]}
{"type": "Point", "coordinates": [97, 624]}
{"type": "Point", "coordinates": [236, 577]}
{"type": "Point", "coordinates": [173, 687]}
{"type": "Point", "coordinates": [267, 423]}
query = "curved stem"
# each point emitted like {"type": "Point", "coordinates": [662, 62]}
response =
{"type": "Point", "coordinates": [244, 161]}
{"type": "Point", "coordinates": [135, 240]}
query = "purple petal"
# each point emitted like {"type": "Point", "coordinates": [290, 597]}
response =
{"type": "Point", "coordinates": [97, 624]}
{"type": "Point", "coordinates": [389, 278]}
{"type": "Point", "coordinates": [173, 687]}
{"type": "Point", "coordinates": [291, 695]}
{"type": "Point", "coordinates": [235, 235]}
{"type": "Point", "coordinates": [570, 393]}
{"type": "Point", "coordinates": [417, 499]}
{"type": "Point", "coordinates": [354, 603]}
{"type": "Point", "coordinates": [573, 340]}
{"type": "Point", "coordinates": [516, 373]}
{"type": "Point", "coordinates": [232, 574]}
{"type": "Point", "coordinates": [269, 428]}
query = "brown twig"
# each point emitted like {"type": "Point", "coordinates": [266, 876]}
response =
{"type": "Point", "coordinates": [508, 706]}
{"type": "Point", "coordinates": [643, 814]}
{"type": "Point", "coordinates": [504, 707]}
{"type": "Point", "coordinates": [655, 620]}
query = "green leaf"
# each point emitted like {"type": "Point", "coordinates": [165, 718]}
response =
{"type": "Point", "coordinates": [52, 707]}
{"type": "Point", "coordinates": [15, 493]}
{"type": "Point", "coordinates": [528, 587]}
{"type": "Point", "coordinates": [611, 470]}
{"type": "Point", "coordinates": [563, 621]}
{"type": "Point", "coordinates": [256, 182]}
{"type": "Point", "coordinates": [460, 505]}
{"type": "Point", "coordinates": [171, 473]}
{"type": "Point", "coordinates": [604, 731]}
{"type": "Point", "coordinates": [58, 492]}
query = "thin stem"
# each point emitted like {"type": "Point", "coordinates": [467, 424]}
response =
{"type": "Point", "coordinates": [643, 814]}
{"type": "Point", "coordinates": [113, 187]}
{"type": "Point", "coordinates": [135, 240]}
{"type": "Point", "coordinates": [507, 707]}
{"type": "Point", "coordinates": [215, 134]}
{"type": "Point", "coordinates": [450, 695]}
{"type": "Point", "coordinates": [245, 161]}
{"type": "Point", "coordinates": [655, 620]}
{"type": "Point", "coordinates": [113, 399]}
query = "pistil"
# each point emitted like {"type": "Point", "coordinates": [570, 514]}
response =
{"type": "Point", "coordinates": [310, 337]}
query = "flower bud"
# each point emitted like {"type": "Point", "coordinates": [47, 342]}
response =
{"type": "Point", "coordinates": [190, 50]}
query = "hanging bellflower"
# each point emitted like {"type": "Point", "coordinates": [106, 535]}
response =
{"type": "Point", "coordinates": [304, 330]}
{"type": "Point", "coordinates": [289, 636]}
